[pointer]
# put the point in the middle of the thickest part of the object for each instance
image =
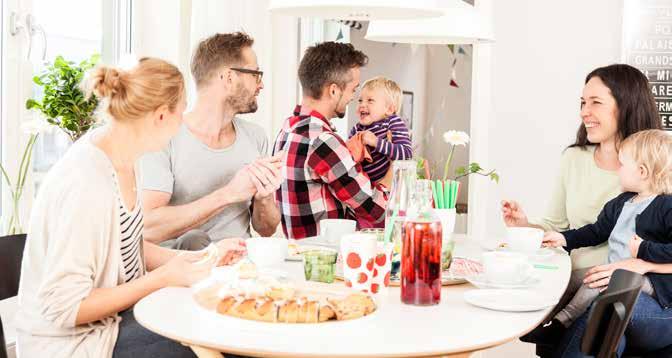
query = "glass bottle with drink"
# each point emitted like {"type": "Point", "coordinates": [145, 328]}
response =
{"type": "Point", "coordinates": [403, 184]}
{"type": "Point", "coordinates": [421, 250]}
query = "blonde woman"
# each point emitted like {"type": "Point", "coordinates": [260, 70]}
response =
{"type": "Point", "coordinates": [85, 264]}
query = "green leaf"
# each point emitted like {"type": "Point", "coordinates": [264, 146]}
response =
{"type": "Point", "coordinates": [475, 168]}
{"type": "Point", "coordinates": [494, 177]}
{"type": "Point", "coordinates": [31, 103]}
{"type": "Point", "coordinates": [460, 171]}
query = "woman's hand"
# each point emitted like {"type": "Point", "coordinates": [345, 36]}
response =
{"type": "Point", "coordinates": [230, 251]}
{"type": "Point", "coordinates": [513, 214]}
{"type": "Point", "coordinates": [554, 239]}
{"type": "Point", "coordinates": [598, 276]}
{"type": "Point", "coordinates": [186, 268]}
{"type": "Point", "coordinates": [633, 245]}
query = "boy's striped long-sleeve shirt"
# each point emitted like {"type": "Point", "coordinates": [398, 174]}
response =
{"type": "Point", "coordinates": [400, 148]}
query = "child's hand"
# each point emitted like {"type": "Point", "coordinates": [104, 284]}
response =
{"type": "Point", "coordinates": [554, 239]}
{"type": "Point", "coordinates": [634, 245]}
{"type": "Point", "coordinates": [370, 139]}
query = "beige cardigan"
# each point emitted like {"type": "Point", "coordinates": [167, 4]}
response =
{"type": "Point", "coordinates": [72, 247]}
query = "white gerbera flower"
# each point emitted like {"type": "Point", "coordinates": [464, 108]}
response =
{"type": "Point", "coordinates": [456, 138]}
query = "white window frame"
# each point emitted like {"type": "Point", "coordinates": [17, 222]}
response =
{"type": "Point", "coordinates": [17, 84]}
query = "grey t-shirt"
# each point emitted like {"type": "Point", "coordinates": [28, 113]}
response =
{"type": "Point", "coordinates": [624, 229]}
{"type": "Point", "coordinates": [189, 170]}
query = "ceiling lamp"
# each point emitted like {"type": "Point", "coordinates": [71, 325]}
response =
{"type": "Point", "coordinates": [359, 10]}
{"type": "Point", "coordinates": [459, 25]}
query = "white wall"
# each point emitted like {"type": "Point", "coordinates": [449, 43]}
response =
{"type": "Point", "coordinates": [543, 51]}
{"type": "Point", "coordinates": [171, 29]}
{"type": "Point", "coordinates": [448, 108]}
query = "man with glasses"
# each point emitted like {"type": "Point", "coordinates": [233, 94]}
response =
{"type": "Point", "coordinates": [215, 177]}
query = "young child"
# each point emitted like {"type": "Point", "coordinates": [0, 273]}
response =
{"type": "Point", "coordinates": [380, 128]}
{"type": "Point", "coordinates": [636, 224]}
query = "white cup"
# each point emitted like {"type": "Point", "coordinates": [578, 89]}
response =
{"type": "Point", "coordinates": [266, 251]}
{"type": "Point", "coordinates": [332, 230]}
{"type": "Point", "coordinates": [505, 267]}
{"type": "Point", "coordinates": [524, 239]}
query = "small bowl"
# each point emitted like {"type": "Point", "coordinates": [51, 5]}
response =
{"type": "Point", "coordinates": [266, 251]}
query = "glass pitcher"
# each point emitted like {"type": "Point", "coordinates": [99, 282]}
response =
{"type": "Point", "coordinates": [403, 184]}
{"type": "Point", "coordinates": [421, 250]}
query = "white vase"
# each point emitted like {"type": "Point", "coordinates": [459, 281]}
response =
{"type": "Point", "coordinates": [447, 217]}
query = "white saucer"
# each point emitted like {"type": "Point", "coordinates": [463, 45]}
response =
{"type": "Point", "coordinates": [481, 281]}
{"type": "Point", "coordinates": [508, 300]}
{"type": "Point", "coordinates": [542, 254]}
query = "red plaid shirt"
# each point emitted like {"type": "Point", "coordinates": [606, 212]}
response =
{"type": "Point", "coordinates": [322, 181]}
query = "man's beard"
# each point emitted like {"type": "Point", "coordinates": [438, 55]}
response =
{"type": "Point", "coordinates": [244, 101]}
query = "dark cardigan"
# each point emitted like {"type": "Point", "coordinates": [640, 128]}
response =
{"type": "Point", "coordinates": [653, 225]}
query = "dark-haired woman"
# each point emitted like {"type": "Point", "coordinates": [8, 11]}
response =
{"type": "Point", "coordinates": [616, 102]}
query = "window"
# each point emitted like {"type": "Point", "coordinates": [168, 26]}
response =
{"type": "Point", "coordinates": [75, 30]}
{"type": "Point", "coordinates": [97, 27]}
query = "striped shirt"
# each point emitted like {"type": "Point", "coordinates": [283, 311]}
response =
{"type": "Point", "coordinates": [400, 148]}
{"type": "Point", "coordinates": [131, 225]}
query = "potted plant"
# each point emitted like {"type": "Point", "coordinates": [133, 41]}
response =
{"type": "Point", "coordinates": [64, 104]}
{"type": "Point", "coordinates": [13, 237]}
{"type": "Point", "coordinates": [446, 190]}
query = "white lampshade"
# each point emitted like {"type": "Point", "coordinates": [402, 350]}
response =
{"type": "Point", "coordinates": [359, 10]}
{"type": "Point", "coordinates": [459, 25]}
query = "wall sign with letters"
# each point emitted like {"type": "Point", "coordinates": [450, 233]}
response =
{"type": "Point", "coordinates": [647, 45]}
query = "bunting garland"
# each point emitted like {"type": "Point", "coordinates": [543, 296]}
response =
{"type": "Point", "coordinates": [453, 75]}
{"type": "Point", "coordinates": [340, 35]}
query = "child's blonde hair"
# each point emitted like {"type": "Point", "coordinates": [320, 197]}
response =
{"type": "Point", "coordinates": [390, 88]}
{"type": "Point", "coordinates": [652, 149]}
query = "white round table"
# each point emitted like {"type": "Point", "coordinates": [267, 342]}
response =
{"type": "Point", "coordinates": [394, 330]}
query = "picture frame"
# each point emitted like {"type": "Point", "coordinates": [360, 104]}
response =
{"type": "Point", "coordinates": [406, 112]}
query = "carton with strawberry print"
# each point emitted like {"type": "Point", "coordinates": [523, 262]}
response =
{"type": "Point", "coordinates": [359, 253]}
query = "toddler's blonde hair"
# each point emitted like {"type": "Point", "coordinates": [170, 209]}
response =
{"type": "Point", "coordinates": [390, 88]}
{"type": "Point", "coordinates": [652, 149]}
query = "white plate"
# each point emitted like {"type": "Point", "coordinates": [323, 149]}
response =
{"type": "Point", "coordinates": [508, 300]}
{"type": "Point", "coordinates": [542, 254]}
{"type": "Point", "coordinates": [481, 281]}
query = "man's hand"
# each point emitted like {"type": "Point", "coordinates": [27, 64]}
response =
{"type": "Point", "coordinates": [266, 175]}
{"type": "Point", "coordinates": [369, 139]}
{"type": "Point", "coordinates": [241, 187]}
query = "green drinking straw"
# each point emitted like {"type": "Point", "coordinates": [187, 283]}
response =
{"type": "Point", "coordinates": [446, 195]}
{"type": "Point", "coordinates": [439, 190]}
{"type": "Point", "coordinates": [453, 194]}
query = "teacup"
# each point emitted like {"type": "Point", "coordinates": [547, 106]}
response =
{"type": "Point", "coordinates": [524, 239]}
{"type": "Point", "coordinates": [505, 267]}
{"type": "Point", "coordinates": [332, 230]}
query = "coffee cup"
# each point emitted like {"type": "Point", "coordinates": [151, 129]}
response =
{"type": "Point", "coordinates": [524, 239]}
{"type": "Point", "coordinates": [505, 267]}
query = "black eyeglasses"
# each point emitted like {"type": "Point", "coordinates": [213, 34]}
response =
{"type": "Point", "coordinates": [256, 73]}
